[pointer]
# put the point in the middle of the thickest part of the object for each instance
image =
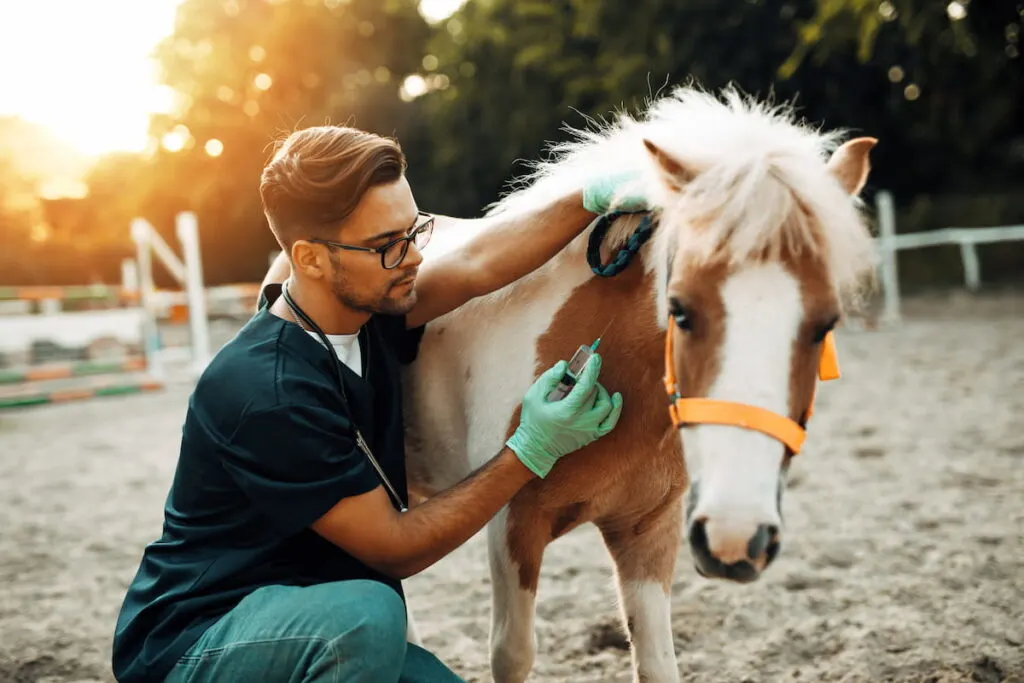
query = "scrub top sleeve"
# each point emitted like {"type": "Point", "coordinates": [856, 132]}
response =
{"type": "Point", "coordinates": [295, 463]}
{"type": "Point", "coordinates": [268, 295]}
{"type": "Point", "coordinates": [403, 342]}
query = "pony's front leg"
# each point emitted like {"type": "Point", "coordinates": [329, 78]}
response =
{"type": "Point", "coordinates": [515, 567]}
{"type": "Point", "coordinates": [412, 633]}
{"type": "Point", "coordinates": [644, 552]}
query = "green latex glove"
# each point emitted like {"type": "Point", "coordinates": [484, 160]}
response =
{"type": "Point", "coordinates": [549, 430]}
{"type": "Point", "coordinates": [599, 195]}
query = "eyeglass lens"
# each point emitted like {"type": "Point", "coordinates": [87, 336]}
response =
{"type": "Point", "coordinates": [396, 252]}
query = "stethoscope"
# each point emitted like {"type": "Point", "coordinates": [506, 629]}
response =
{"type": "Point", "coordinates": [336, 365]}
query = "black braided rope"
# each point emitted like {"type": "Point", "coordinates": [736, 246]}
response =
{"type": "Point", "coordinates": [622, 258]}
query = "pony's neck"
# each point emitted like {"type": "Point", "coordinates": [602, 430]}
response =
{"type": "Point", "coordinates": [630, 299]}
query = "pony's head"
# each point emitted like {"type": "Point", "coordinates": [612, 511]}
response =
{"type": "Point", "coordinates": [760, 241]}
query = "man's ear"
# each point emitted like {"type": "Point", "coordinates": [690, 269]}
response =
{"type": "Point", "coordinates": [308, 259]}
{"type": "Point", "coordinates": [851, 164]}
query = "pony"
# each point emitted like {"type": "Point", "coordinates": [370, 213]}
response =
{"type": "Point", "coordinates": [724, 316]}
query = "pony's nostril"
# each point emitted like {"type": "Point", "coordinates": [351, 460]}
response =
{"type": "Point", "coordinates": [699, 539]}
{"type": "Point", "coordinates": [762, 541]}
{"type": "Point", "coordinates": [773, 550]}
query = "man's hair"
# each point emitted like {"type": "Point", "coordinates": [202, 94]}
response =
{"type": "Point", "coordinates": [319, 175]}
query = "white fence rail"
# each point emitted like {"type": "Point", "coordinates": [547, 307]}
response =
{"type": "Point", "coordinates": [889, 244]}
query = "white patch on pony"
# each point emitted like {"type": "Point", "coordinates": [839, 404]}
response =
{"type": "Point", "coordinates": [647, 610]}
{"type": "Point", "coordinates": [513, 640]}
{"type": "Point", "coordinates": [738, 469]}
{"type": "Point", "coordinates": [474, 366]}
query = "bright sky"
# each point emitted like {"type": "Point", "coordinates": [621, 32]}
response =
{"type": "Point", "coordinates": [82, 68]}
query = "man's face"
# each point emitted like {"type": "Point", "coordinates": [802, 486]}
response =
{"type": "Point", "coordinates": [357, 278]}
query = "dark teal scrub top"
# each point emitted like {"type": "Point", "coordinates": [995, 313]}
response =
{"type": "Point", "coordinates": [267, 448]}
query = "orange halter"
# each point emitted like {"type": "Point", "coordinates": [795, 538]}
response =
{"type": "Point", "coordinates": [685, 411]}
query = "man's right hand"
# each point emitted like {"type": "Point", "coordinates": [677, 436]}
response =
{"type": "Point", "coordinates": [549, 430]}
{"type": "Point", "coordinates": [400, 545]}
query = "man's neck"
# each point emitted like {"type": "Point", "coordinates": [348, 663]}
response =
{"type": "Point", "coordinates": [322, 307]}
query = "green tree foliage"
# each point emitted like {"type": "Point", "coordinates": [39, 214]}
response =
{"type": "Point", "coordinates": [248, 72]}
{"type": "Point", "coordinates": [956, 90]}
{"type": "Point", "coordinates": [939, 82]}
{"type": "Point", "coordinates": [943, 96]}
{"type": "Point", "coordinates": [19, 214]}
{"type": "Point", "coordinates": [24, 151]}
{"type": "Point", "coordinates": [519, 69]}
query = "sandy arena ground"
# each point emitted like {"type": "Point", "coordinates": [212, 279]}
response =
{"type": "Point", "coordinates": [902, 561]}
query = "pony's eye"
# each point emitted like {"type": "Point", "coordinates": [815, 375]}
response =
{"type": "Point", "coordinates": [680, 314]}
{"type": "Point", "coordinates": [821, 331]}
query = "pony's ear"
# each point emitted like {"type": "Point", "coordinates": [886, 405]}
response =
{"type": "Point", "coordinates": [672, 171]}
{"type": "Point", "coordinates": [850, 164]}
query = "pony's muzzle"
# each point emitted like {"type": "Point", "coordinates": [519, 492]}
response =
{"type": "Point", "coordinates": [734, 552]}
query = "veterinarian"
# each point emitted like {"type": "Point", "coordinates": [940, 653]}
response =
{"type": "Point", "coordinates": [284, 546]}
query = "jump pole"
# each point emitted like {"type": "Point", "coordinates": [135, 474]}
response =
{"type": "Point", "coordinates": [188, 234]}
{"type": "Point", "coordinates": [189, 274]}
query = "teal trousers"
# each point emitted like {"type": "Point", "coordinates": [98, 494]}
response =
{"type": "Point", "coordinates": [343, 632]}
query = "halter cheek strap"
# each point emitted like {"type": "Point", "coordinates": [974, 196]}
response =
{"type": "Point", "coordinates": [688, 411]}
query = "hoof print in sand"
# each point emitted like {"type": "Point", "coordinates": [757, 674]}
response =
{"type": "Point", "coordinates": [607, 637]}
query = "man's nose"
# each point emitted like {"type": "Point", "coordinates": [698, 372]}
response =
{"type": "Point", "coordinates": [413, 257]}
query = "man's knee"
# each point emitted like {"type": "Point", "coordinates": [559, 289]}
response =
{"type": "Point", "coordinates": [366, 631]}
{"type": "Point", "coordinates": [352, 631]}
{"type": "Point", "coordinates": [378, 614]}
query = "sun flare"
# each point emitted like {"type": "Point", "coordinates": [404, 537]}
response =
{"type": "Point", "coordinates": [438, 10]}
{"type": "Point", "coordinates": [83, 69]}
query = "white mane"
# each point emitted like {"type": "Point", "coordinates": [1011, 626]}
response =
{"type": "Point", "coordinates": [754, 167]}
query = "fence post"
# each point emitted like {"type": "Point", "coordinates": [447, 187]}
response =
{"type": "Point", "coordinates": [129, 279]}
{"type": "Point", "coordinates": [972, 267]}
{"type": "Point", "coordinates": [150, 331]}
{"type": "Point", "coordinates": [188, 236]}
{"type": "Point", "coordinates": [887, 245]}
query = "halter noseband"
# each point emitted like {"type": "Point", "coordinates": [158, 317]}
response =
{"type": "Point", "coordinates": [687, 411]}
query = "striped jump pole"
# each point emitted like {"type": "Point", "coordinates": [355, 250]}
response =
{"type": "Point", "coordinates": [108, 293]}
{"type": "Point", "coordinates": [100, 351]}
{"type": "Point", "coordinates": [45, 393]}
{"type": "Point", "coordinates": [41, 373]}
{"type": "Point", "coordinates": [63, 343]}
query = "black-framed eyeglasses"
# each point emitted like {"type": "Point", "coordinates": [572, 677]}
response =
{"type": "Point", "coordinates": [393, 253]}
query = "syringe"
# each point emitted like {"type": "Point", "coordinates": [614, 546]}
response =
{"type": "Point", "coordinates": [572, 373]}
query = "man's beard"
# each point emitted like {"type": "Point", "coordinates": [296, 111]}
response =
{"type": "Point", "coordinates": [392, 302]}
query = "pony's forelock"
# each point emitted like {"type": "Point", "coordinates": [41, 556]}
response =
{"type": "Point", "coordinates": [758, 182]}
